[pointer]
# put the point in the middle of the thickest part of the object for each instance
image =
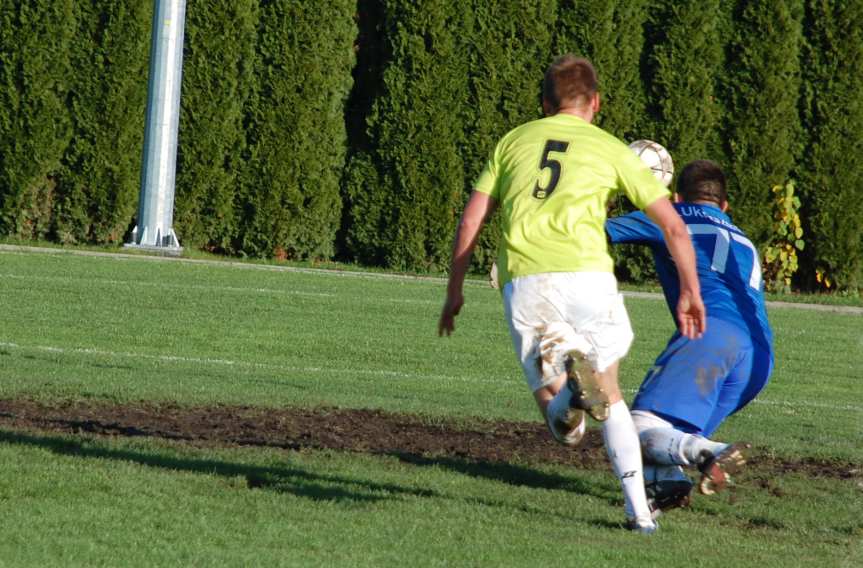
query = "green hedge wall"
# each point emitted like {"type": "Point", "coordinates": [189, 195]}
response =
{"type": "Point", "coordinates": [611, 34]}
{"type": "Point", "coordinates": [683, 68]}
{"type": "Point", "coordinates": [295, 128]}
{"type": "Point", "coordinates": [218, 79]}
{"type": "Point", "coordinates": [99, 180]}
{"type": "Point", "coordinates": [355, 129]}
{"type": "Point", "coordinates": [508, 54]}
{"type": "Point", "coordinates": [36, 43]}
{"type": "Point", "coordinates": [762, 120]}
{"type": "Point", "coordinates": [406, 190]}
{"type": "Point", "coordinates": [831, 171]}
{"type": "Point", "coordinates": [460, 76]}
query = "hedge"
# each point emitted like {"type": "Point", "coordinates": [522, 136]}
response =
{"type": "Point", "coordinates": [509, 50]}
{"type": "Point", "coordinates": [612, 34]}
{"type": "Point", "coordinates": [218, 80]}
{"type": "Point", "coordinates": [406, 190]}
{"type": "Point", "coordinates": [682, 71]}
{"type": "Point", "coordinates": [99, 180]}
{"type": "Point", "coordinates": [460, 77]}
{"type": "Point", "coordinates": [296, 138]}
{"type": "Point", "coordinates": [35, 118]}
{"type": "Point", "coordinates": [831, 171]}
{"type": "Point", "coordinates": [762, 86]}
{"type": "Point", "coordinates": [356, 129]}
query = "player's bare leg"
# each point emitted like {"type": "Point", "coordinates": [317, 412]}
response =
{"type": "Point", "coordinates": [566, 421]}
{"type": "Point", "coordinates": [592, 389]}
{"type": "Point", "coordinates": [566, 424]}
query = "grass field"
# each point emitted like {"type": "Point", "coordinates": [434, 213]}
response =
{"type": "Point", "coordinates": [123, 330]}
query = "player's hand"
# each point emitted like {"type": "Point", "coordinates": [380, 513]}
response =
{"type": "Point", "coordinates": [691, 315]}
{"type": "Point", "coordinates": [451, 308]}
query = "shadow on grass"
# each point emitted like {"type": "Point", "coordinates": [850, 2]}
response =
{"type": "Point", "coordinates": [301, 482]}
{"type": "Point", "coordinates": [519, 476]}
{"type": "Point", "coordinates": [283, 479]}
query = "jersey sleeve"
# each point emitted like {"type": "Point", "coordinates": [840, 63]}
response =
{"type": "Point", "coordinates": [633, 228]}
{"type": "Point", "coordinates": [637, 181]}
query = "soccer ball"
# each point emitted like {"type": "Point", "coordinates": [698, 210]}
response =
{"type": "Point", "coordinates": [656, 157]}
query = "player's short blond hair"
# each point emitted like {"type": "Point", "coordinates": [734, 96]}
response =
{"type": "Point", "coordinates": [569, 81]}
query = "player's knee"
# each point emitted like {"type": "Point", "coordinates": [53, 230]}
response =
{"type": "Point", "coordinates": [645, 420]}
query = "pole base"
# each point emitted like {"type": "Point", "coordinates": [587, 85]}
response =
{"type": "Point", "coordinates": [161, 251]}
{"type": "Point", "coordinates": [164, 245]}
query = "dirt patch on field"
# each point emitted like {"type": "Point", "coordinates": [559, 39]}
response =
{"type": "Point", "coordinates": [409, 437]}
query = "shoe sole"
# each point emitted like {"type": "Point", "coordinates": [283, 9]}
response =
{"type": "Point", "coordinates": [716, 473]}
{"type": "Point", "coordinates": [586, 393]}
{"type": "Point", "coordinates": [574, 426]}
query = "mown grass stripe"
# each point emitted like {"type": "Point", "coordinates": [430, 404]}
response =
{"type": "Point", "coordinates": [22, 250]}
{"type": "Point", "coordinates": [354, 371]}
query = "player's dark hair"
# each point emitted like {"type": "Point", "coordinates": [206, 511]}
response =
{"type": "Point", "coordinates": [569, 80]}
{"type": "Point", "coordinates": [702, 180]}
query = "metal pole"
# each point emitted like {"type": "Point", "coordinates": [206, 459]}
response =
{"type": "Point", "coordinates": [154, 230]}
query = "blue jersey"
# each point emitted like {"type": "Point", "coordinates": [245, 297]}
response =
{"type": "Point", "coordinates": [727, 263]}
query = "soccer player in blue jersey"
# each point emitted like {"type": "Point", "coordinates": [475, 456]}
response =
{"type": "Point", "coordinates": [695, 384]}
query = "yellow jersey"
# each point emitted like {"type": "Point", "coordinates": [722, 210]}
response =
{"type": "Point", "coordinates": [552, 179]}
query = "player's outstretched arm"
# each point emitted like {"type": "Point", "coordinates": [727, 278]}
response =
{"type": "Point", "coordinates": [479, 207]}
{"type": "Point", "coordinates": [691, 315]}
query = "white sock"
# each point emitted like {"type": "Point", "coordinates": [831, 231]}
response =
{"type": "Point", "coordinates": [699, 449]}
{"type": "Point", "coordinates": [624, 452]}
{"type": "Point", "coordinates": [665, 445]}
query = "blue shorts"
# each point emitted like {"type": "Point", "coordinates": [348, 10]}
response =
{"type": "Point", "coordinates": [697, 383]}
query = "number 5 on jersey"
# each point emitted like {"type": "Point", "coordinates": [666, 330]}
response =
{"type": "Point", "coordinates": [540, 192]}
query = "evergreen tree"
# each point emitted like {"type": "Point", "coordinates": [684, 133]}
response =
{"type": "Point", "coordinates": [296, 129]}
{"type": "Point", "coordinates": [217, 81]}
{"type": "Point", "coordinates": [99, 183]}
{"type": "Point", "coordinates": [510, 49]}
{"type": "Point", "coordinates": [683, 67]}
{"type": "Point", "coordinates": [763, 123]}
{"type": "Point", "coordinates": [610, 33]}
{"type": "Point", "coordinates": [35, 128]}
{"type": "Point", "coordinates": [406, 193]}
{"type": "Point", "coordinates": [831, 171]}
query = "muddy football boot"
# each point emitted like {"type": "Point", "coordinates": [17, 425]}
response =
{"type": "Point", "coordinates": [668, 491]}
{"type": "Point", "coordinates": [716, 471]}
{"type": "Point", "coordinates": [570, 429]}
{"type": "Point", "coordinates": [586, 393]}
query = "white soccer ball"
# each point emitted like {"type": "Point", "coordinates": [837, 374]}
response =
{"type": "Point", "coordinates": [656, 157]}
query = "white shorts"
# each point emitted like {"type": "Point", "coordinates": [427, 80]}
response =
{"type": "Point", "coordinates": [587, 301]}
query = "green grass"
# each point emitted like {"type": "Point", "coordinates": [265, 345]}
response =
{"type": "Point", "coordinates": [129, 329]}
{"type": "Point", "coordinates": [842, 298]}
{"type": "Point", "coordinates": [71, 501]}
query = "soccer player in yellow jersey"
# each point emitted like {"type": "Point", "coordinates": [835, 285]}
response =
{"type": "Point", "coordinates": [552, 179]}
